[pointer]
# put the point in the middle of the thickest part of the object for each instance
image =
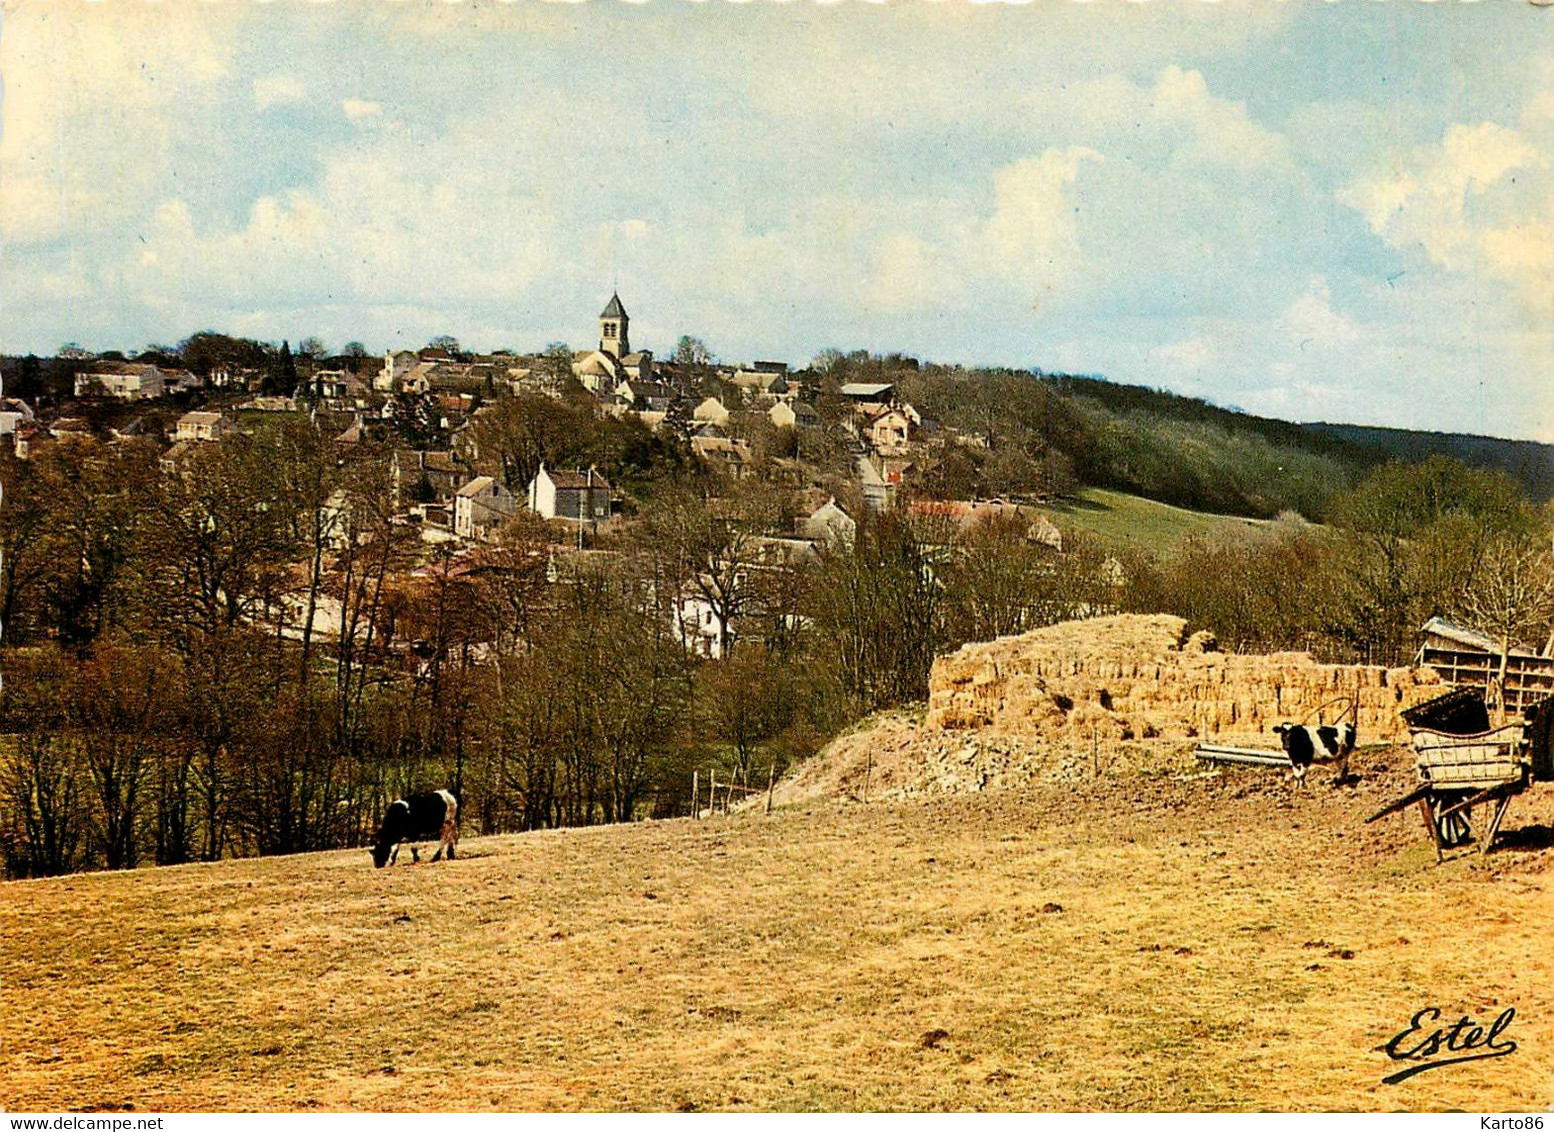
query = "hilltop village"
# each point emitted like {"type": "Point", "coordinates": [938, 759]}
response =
{"type": "Point", "coordinates": [820, 450]}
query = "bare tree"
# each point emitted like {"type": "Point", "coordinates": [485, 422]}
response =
{"type": "Point", "coordinates": [880, 612]}
{"type": "Point", "coordinates": [114, 712]}
{"type": "Point", "coordinates": [691, 351]}
{"type": "Point", "coordinates": [708, 548]}
{"type": "Point", "coordinates": [28, 547]}
{"type": "Point", "coordinates": [1512, 595]}
{"type": "Point", "coordinates": [1001, 582]}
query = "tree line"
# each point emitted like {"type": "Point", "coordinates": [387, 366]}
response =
{"type": "Point", "coordinates": [1409, 542]}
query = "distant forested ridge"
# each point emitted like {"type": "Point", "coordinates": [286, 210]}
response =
{"type": "Point", "coordinates": [1181, 450]}
{"type": "Point", "coordinates": [1527, 461]}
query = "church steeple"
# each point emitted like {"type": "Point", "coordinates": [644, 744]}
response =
{"type": "Point", "coordinates": [613, 338]}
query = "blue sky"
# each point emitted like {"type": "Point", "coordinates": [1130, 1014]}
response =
{"type": "Point", "coordinates": [1316, 211]}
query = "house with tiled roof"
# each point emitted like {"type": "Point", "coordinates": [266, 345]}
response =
{"type": "Point", "coordinates": [886, 432]}
{"type": "Point", "coordinates": [649, 396]}
{"type": "Point", "coordinates": [726, 455]}
{"type": "Point", "coordinates": [828, 524]}
{"type": "Point", "coordinates": [582, 496]}
{"type": "Point", "coordinates": [426, 477]}
{"type": "Point", "coordinates": [767, 380]}
{"type": "Point", "coordinates": [481, 506]}
{"type": "Point", "coordinates": [199, 425]}
{"type": "Point", "coordinates": [710, 411]}
{"type": "Point", "coordinates": [128, 381]}
{"type": "Point", "coordinates": [793, 414]}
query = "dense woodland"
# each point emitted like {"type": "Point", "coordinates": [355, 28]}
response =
{"type": "Point", "coordinates": [167, 698]}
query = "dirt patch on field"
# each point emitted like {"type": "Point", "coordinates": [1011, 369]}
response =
{"type": "Point", "coordinates": [893, 755]}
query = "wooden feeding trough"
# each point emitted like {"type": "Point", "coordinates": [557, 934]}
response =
{"type": "Point", "coordinates": [1462, 763]}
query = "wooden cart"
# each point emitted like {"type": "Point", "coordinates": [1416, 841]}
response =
{"type": "Point", "coordinates": [1460, 772]}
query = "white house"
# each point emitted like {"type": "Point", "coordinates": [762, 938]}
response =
{"type": "Point", "coordinates": [828, 524]}
{"type": "Point", "coordinates": [199, 425]}
{"type": "Point", "coordinates": [129, 381]}
{"type": "Point", "coordinates": [481, 506]}
{"type": "Point", "coordinates": [396, 365]}
{"type": "Point", "coordinates": [580, 496]}
{"type": "Point", "coordinates": [890, 431]}
{"type": "Point", "coordinates": [793, 414]}
{"type": "Point", "coordinates": [696, 626]}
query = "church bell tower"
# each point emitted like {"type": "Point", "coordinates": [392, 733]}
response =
{"type": "Point", "coordinates": [613, 338]}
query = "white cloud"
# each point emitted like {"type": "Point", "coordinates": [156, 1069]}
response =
{"type": "Point", "coordinates": [278, 90]}
{"type": "Point", "coordinates": [88, 95]}
{"type": "Point", "coordinates": [1189, 356]}
{"type": "Point", "coordinates": [1479, 201]}
{"type": "Point", "coordinates": [1031, 232]}
{"type": "Point", "coordinates": [1221, 132]}
{"type": "Point", "coordinates": [1311, 321]}
{"type": "Point", "coordinates": [375, 228]}
{"type": "Point", "coordinates": [906, 274]}
{"type": "Point", "coordinates": [356, 109]}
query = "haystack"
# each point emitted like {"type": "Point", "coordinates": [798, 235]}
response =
{"type": "Point", "coordinates": [1135, 676]}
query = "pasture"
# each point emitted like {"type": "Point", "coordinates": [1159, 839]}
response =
{"type": "Point", "coordinates": [1132, 521]}
{"type": "Point", "coordinates": [1138, 943]}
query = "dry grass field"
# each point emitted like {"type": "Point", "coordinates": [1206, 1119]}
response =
{"type": "Point", "coordinates": [1167, 943]}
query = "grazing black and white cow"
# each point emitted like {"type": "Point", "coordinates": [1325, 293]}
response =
{"type": "Point", "coordinates": [426, 815]}
{"type": "Point", "coordinates": [1305, 744]}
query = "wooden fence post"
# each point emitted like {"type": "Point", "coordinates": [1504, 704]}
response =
{"type": "Point", "coordinates": [771, 779]}
{"type": "Point", "coordinates": [712, 798]}
{"type": "Point", "coordinates": [696, 794]}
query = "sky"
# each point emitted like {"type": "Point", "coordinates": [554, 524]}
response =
{"type": "Point", "coordinates": [1315, 211]}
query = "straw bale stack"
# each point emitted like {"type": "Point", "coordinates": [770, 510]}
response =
{"type": "Point", "coordinates": [1141, 676]}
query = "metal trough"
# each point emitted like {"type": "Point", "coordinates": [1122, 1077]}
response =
{"type": "Point", "coordinates": [1245, 756]}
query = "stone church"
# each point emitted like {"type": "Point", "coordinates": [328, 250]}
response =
{"type": "Point", "coordinates": [614, 361]}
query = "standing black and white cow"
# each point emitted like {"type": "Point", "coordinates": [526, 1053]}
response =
{"type": "Point", "coordinates": [1305, 744]}
{"type": "Point", "coordinates": [424, 816]}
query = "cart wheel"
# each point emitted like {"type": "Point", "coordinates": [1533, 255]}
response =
{"type": "Point", "coordinates": [1453, 828]}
